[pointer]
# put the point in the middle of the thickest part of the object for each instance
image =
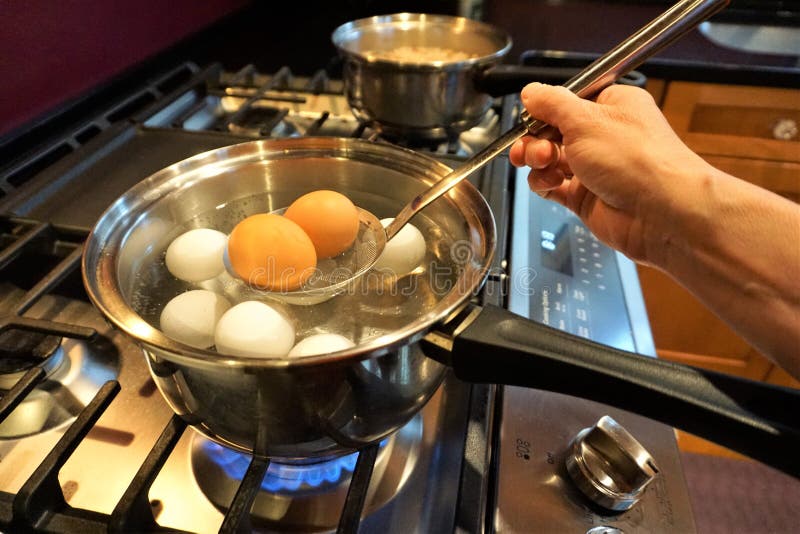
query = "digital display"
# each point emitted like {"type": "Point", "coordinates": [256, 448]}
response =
{"type": "Point", "coordinates": [556, 251]}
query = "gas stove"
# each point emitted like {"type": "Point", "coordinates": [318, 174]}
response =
{"type": "Point", "coordinates": [88, 444]}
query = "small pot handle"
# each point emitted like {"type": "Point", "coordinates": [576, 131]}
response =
{"type": "Point", "coordinates": [759, 420]}
{"type": "Point", "coordinates": [501, 80]}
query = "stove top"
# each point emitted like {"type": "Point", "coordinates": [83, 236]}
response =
{"type": "Point", "coordinates": [87, 443]}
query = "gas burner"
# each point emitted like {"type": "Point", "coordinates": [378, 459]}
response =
{"type": "Point", "coordinates": [20, 351]}
{"type": "Point", "coordinates": [306, 495]}
{"type": "Point", "coordinates": [74, 373]}
{"type": "Point", "coordinates": [464, 145]}
{"type": "Point", "coordinates": [293, 479]}
{"type": "Point", "coordinates": [46, 330]}
{"type": "Point", "coordinates": [283, 105]}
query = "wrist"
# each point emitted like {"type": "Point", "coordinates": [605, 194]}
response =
{"type": "Point", "coordinates": [678, 217]}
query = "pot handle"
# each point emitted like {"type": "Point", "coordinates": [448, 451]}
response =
{"type": "Point", "coordinates": [756, 419]}
{"type": "Point", "coordinates": [501, 80]}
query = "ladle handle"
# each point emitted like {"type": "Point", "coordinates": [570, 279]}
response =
{"type": "Point", "coordinates": [662, 31]}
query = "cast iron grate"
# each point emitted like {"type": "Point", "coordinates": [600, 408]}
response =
{"type": "Point", "coordinates": [40, 504]}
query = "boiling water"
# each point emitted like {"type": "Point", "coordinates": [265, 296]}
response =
{"type": "Point", "coordinates": [374, 307]}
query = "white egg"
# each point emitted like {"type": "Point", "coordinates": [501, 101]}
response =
{"type": "Point", "coordinates": [191, 317]}
{"type": "Point", "coordinates": [321, 344]}
{"type": "Point", "coordinates": [404, 252]}
{"type": "Point", "coordinates": [197, 255]}
{"type": "Point", "coordinates": [254, 329]}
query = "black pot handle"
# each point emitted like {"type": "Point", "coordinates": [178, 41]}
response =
{"type": "Point", "coordinates": [500, 80]}
{"type": "Point", "coordinates": [756, 419]}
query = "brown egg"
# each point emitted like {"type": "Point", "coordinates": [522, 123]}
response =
{"type": "Point", "coordinates": [271, 252]}
{"type": "Point", "coordinates": [329, 218]}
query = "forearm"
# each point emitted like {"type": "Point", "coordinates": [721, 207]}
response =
{"type": "Point", "coordinates": [737, 248]}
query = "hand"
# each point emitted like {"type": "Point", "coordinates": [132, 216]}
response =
{"type": "Point", "coordinates": [620, 166]}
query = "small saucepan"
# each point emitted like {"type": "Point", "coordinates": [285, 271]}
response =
{"type": "Point", "coordinates": [427, 77]}
{"type": "Point", "coordinates": [406, 336]}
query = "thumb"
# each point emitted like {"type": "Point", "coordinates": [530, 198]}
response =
{"type": "Point", "coordinates": [555, 105]}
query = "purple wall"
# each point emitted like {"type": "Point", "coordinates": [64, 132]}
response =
{"type": "Point", "coordinates": [51, 51]}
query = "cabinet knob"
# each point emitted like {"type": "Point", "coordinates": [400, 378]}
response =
{"type": "Point", "coordinates": [784, 129]}
{"type": "Point", "coordinates": [609, 466]}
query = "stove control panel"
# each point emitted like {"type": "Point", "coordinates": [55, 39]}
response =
{"type": "Point", "coordinates": [570, 279]}
{"type": "Point", "coordinates": [561, 275]}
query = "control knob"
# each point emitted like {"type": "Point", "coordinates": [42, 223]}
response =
{"type": "Point", "coordinates": [609, 466]}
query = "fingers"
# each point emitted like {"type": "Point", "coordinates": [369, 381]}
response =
{"type": "Point", "coordinates": [546, 179]}
{"type": "Point", "coordinates": [624, 94]}
{"type": "Point", "coordinates": [558, 194]}
{"type": "Point", "coordinates": [556, 106]}
{"type": "Point", "coordinates": [571, 194]}
{"type": "Point", "coordinates": [546, 159]}
{"type": "Point", "coordinates": [539, 154]}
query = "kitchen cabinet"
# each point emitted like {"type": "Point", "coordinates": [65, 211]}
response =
{"type": "Point", "coordinates": [751, 133]}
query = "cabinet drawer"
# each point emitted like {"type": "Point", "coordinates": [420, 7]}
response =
{"type": "Point", "coordinates": [743, 122]}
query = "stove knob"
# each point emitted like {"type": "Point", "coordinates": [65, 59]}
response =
{"type": "Point", "coordinates": [609, 466]}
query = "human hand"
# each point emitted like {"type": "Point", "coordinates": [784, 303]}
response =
{"type": "Point", "coordinates": [619, 166]}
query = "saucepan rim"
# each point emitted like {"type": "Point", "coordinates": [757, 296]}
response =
{"type": "Point", "coordinates": [100, 255]}
{"type": "Point", "coordinates": [347, 32]}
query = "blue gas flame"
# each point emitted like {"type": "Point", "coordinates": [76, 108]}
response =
{"type": "Point", "coordinates": [284, 477]}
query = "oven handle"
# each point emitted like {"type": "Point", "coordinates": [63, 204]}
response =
{"type": "Point", "coordinates": [494, 345]}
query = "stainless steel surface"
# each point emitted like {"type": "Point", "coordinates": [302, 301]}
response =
{"type": "Point", "coordinates": [417, 99]}
{"type": "Point", "coordinates": [609, 466]}
{"type": "Point", "coordinates": [451, 180]}
{"type": "Point", "coordinates": [753, 38]}
{"type": "Point", "coordinates": [103, 465]}
{"type": "Point", "coordinates": [345, 399]}
{"type": "Point", "coordinates": [535, 433]}
{"type": "Point", "coordinates": [604, 71]}
{"type": "Point", "coordinates": [605, 304]}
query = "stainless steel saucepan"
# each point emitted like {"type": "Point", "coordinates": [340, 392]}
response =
{"type": "Point", "coordinates": [393, 86]}
{"type": "Point", "coordinates": [405, 335]}
{"type": "Point", "coordinates": [418, 77]}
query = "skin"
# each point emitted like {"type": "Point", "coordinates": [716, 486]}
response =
{"type": "Point", "coordinates": [623, 170]}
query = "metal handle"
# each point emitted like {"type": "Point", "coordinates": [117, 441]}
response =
{"type": "Point", "coordinates": [605, 70]}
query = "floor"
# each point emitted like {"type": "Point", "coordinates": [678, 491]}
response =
{"type": "Point", "coordinates": [731, 496]}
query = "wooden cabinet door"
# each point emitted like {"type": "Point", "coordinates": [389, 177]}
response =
{"type": "Point", "coordinates": [685, 331]}
{"type": "Point", "coordinates": [740, 122]}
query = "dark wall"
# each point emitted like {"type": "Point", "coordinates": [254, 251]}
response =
{"type": "Point", "coordinates": [55, 50]}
